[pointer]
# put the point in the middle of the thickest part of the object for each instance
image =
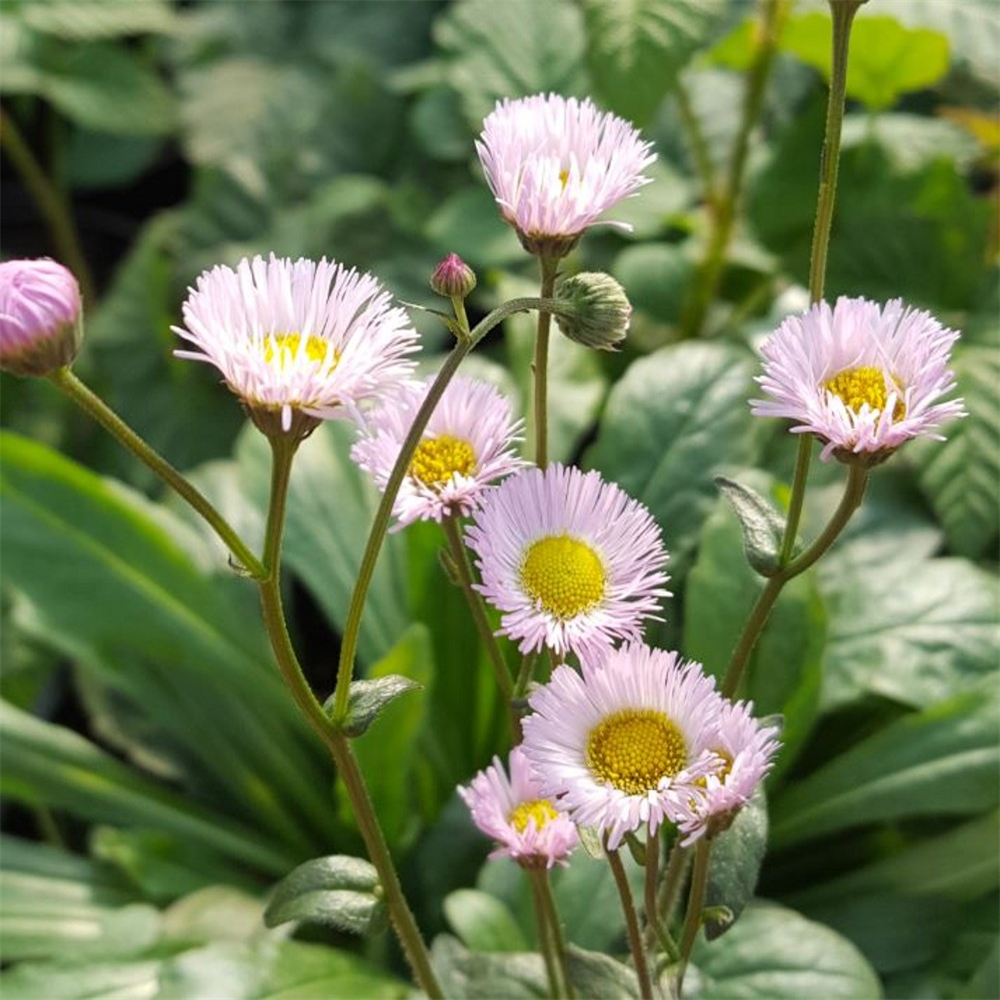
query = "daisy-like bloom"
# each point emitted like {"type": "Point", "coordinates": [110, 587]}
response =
{"type": "Point", "coordinates": [555, 164]}
{"type": "Point", "coordinates": [467, 445]}
{"type": "Point", "coordinates": [40, 316]}
{"type": "Point", "coordinates": [746, 749]}
{"type": "Point", "coordinates": [626, 743]}
{"type": "Point", "coordinates": [298, 341]}
{"type": "Point", "coordinates": [861, 377]}
{"type": "Point", "coordinates": [573, 562]}
{"type": "Point", "coordinates": [526, 826]}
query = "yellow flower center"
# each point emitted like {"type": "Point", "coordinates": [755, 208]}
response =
{"type": "Point", "coordinates": [283, 347]}
{"type": "Point", "coordinates": [864, 384]}
{"type": "Point", "coordinates": [635, 749]}
{"type": "Point", "coordinates": [564, 575]}
{"type": "Point", "coordinates": [723, 770]}
{"type": "Point", "coordinates": [540, 810]}
{"type": "Point", "coordinates": [564, 178]}
{"type": "Point", "coordinates": [439, 458]}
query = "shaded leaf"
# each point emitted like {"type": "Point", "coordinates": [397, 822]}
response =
{"type": "Point", "coordinates": [78, 20]}
{"type": "Point", "coordinates": [483, 922]}
{"type": "Point", "coordinates": [367, 698]}
{"type": "Point", "coordinates": [763, 527]}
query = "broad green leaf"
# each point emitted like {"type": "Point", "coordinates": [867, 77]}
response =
{"type": "Point", "coordinates": [105, 981]}
{"type": "Point", "coordinates": [913, 632]}
{"type": "Point", "coordinates": [387, 753]}
{"type": "Point", "coordinates": [943, 761]}
{"type": "Point", "coordinates": [53, 901]}
{"type": "Point", "coordinates": [331, 505]}
{"type": "Point", "coordinates": [961, 865]}
{"type": "Point", "coordinates": [483, 922]}
{"type": "Point", "coordinates": [674, 421]}
{"type": "Point", "coordinates": [508, 50]}
{"type": "Point", "coordinates": [763, 527]}
{"type": "Point", "coordinates": [887, 59]}
{"type": "Point", "coordinates": [960, 475]}
{"type": "Point", "coordinates": [343, 909]}
{"type": "Point", "coordinates": [79, 20]}
{"type": "Point", "coordinates": [120, 585]}
{"type": "Point", "coordinates": [468, 223]}
{"type": "Point", "coordinates": [656, 277]}
{"type": "Point", "coordinates": [480, 975]}
{"type": "Point", "coordinates": [104, 160]}
{"type": "Point", "coordinates": [635, 50]}
{"type": "Point", "coordinates": [735, 862]}
{"type": "Point", "coordinates": [107, 88]}
{"type": "Point", "coordinates": [784, 672]}
{"type": "Point", "coordinates": [595, 975]}
{"type": "Point", "coordinates": [50, 765]}
{"type": "Point", "coordinates": [774, 953]}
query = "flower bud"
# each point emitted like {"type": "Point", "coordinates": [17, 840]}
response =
{"type": "Point", "coordinates": [40, 316]}
{"type": "Point", "coordinates": [595, 310]}
{"type": "Point", "coordinates": [453, 278]}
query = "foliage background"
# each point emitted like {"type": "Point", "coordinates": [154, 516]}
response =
{"type": "Point", "coordinates": [157, 781]}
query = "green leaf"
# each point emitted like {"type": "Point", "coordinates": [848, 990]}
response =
{"type": "Point", "coordinates": [636, 50]}
{"type": "Point", "coordinates": [887, 59]}
{"type": "Point", "coordinates": [595, 975]}
{"type": "Point", "coordinates": [388, 753]}
{"type": "Point", "coordinates": [336, 892]}
{"type": "Point", "coordinates": [674, 421]}
{"type": "Point", "coordinates": [774, 953]}
{"type": "Point", "coordinates": [107, 88]}
{"type": "Point", "coordinates": [483, 922]}
{"type": "Point", "coordinates": [469, 224]}
{"type": "Point", "coordinates": [50, 765]}
{"type": "Point", "coordinates": [79, 20]}
{"type": "Point", "coordinates": [366, 700]}
{"type": "Point", "coordinates": [763, 527]}
{"type": "Point", "coordinates": [500, 50]}
{"type": "Point", "coordinates": [943, 761]}
{"type": "Point", "coordinates": [482, 976]}
{"type": "Point", "coordinates": [961, 864]}
{"type": "Point", "coordinates": [656, 276]}
{"type": "Point", "coordinates": [915, 632]}
{"type": "Point", "coordinates": [960, 476]}
{"type": "Point", "coordinates": [734, 865]}
{"type": "Point", "coordinates": [103, 160]}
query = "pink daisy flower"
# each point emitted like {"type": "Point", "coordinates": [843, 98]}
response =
{"type": "Point", "coordinates": [627, 742]}
{"type": "Point", "coordinates": [468, 445]}
{"type": "Point", "coordinates": [862, 377]}
{"type": "Point", "coordinates": [40, 312]}
{"type": "Point", "coordinates": [573, 562]}
{"type": "Point", "coordinates": [526, 826]}
{"type": "Point", "coordinates": [747, 750]}
{"type": "Point", "coordinates": [555, 164]}
{"type": "Point", "coordinates": [298, 337]}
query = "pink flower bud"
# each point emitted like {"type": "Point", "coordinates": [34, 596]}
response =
{"type": "Point", "coordinates": [453, 278]}
{"type": "Point", "coordinates": [40, 316]}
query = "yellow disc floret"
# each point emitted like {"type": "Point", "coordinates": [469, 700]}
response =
{"type": "Point", "coordinates": [861, 385]}
{"type": "Point", "coordinates": [635, 749]}
{"type": "Point", "coordinates": [439, 458]}
{"type": "Point", "coordinates": [564, 575]}
{"type": "Point", "coordinates": [284, 347]}
{"type": "Point", "coordinates": [540, 810]}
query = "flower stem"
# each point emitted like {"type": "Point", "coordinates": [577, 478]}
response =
{"type": "Point", "coordinates": [673, 881]}
{"type": "Point", "coordinates": [631, 925]}
{"type": "Point", "coordinates": [460, 558]}
{"type": "Point", "coordinates": [550, 933]}
{"type": "Point", "coordinates": [51, 203]}
{"type": "Point", "coordinates": [67, 383]}
{"type": "Point", "coordinates": [842, 12]}
{"type": "Point", "coordinates": [725, 205]}
{"type": "Point", "coordinates": [696, 904]}
{"type": "Point", "coordinates": [854, 491]}
{"type": "Point", "coordinates": [380, 523]}
{"type": "Point", "coordinates": [548, 266]}
{"type": "Point", "coordinates": [283, 451]}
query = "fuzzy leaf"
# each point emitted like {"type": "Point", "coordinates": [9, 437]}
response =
{"type": "Point", "coordinates": [367, 699]}
{"type": "Point", "coordinates": [763, 526]}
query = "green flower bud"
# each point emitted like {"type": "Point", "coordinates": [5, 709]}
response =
{"type": "Point", "coordinates": [595, 310]}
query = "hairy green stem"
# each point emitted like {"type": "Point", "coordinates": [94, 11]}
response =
{"type": "Point", "coordinates": [699, 147]}
{"type": "Point", "coordinates": [854, 491]}
{"type": "Point", "coordinates": [549, 266]}
{"type": "Point", "coordinates": [554, 947]}
{"type": "Point", "coordinates": [631, 925]}
{"type": "Point", "coordinates": [67, 383]}
{"type": "Point", "coordinates": [460, 558]}
{"type": "Point", "coordinates": [695, 908]}
{"type": "Point", "coordinates": [655, 931]}
{"type": "Point", "coordinates": [725, 205]}
{"type": "Point", "coordinates": [283, 451]}
{"type": "Point", "coordinates": [380, 524]}
{"type": "Point", "coordinates": [51, 203]}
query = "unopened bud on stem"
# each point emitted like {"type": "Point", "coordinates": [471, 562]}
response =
{"type": "Point", "coordinates": [453, 278]}
{"type": "Point", "coordinates": [596, 312]}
